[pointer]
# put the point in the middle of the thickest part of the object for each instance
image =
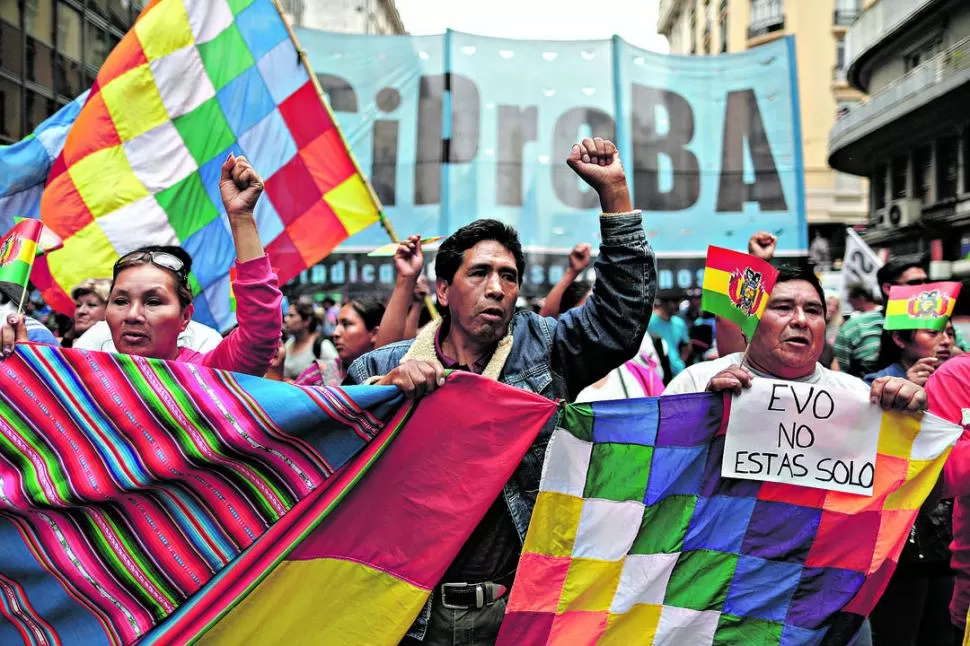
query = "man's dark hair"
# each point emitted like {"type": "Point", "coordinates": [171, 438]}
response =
{"type": "Point", "coordinates": [452, 250]}
{"type": "Point", "coordinates": [860, 290]}
{"type": "Point", "coordinates": [787, 273]}
{"type": "Point", "coordinates": [573, 294]}
{"type": "Point", "coordinates": [892, 270]}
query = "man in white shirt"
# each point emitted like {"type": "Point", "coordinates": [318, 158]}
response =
{"type": "Point", "coordinates": [787, 345]}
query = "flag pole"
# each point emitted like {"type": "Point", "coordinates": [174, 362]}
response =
{"type": "Point", "coordinates": [385, 223]}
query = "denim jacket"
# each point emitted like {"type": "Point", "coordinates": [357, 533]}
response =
{"type": "Point", "coordinates": [555, 358]}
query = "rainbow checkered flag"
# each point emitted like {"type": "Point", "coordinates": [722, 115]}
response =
{"type": "Point", "coordinates": [637, 539]}
{"type": "Point", "coordinates": [191, 82]}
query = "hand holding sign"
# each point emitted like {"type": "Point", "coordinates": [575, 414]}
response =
{"type": "Point", "coordinates": [896, 393]}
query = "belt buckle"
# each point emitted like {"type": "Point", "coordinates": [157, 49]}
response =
{"type": "Point", "coordinates": [479, 595]}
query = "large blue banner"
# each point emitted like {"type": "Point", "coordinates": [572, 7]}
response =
{"type": "Point", "coordinates": [457, 127]}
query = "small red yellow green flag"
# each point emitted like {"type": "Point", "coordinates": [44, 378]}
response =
{"type": "Point", "coordinates": [736, 287]}
{"type": "Point", "coordinates": [48, 241]}
{"type": "Point", "coordinates": [921, 307]}
{"type": "Point", "coordinates": [17, 252]}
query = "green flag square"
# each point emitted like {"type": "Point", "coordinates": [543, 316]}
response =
{"type": "Point", "coordinates": [752, 631]}
{"type": "Point", "coordinates": [225, 57]}
{"type": "Point", "coordinates": [664, 526]}
{"type": "Point", "coordinates": [578, 420]}
{"type": "Point", "coordinates": [700, 580]}
{"type": "Point", "coordinates": [188, 206]}
{"type": "Point", "coordinates": [205, 131]}
{"type": "Point", "coordinates": [618, 472]}
{"type": "Point", "coordinates": [236, 6]}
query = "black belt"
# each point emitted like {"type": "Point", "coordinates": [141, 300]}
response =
{"type": "Point", "coordinates": [463, 596]}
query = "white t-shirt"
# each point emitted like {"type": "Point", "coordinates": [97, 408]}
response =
{"type": "Point", "coordinates": [198, 337]}
{"type": "Point", "coordinates": [696, 377]}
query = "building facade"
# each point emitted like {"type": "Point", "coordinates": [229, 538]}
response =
{"type": "Point", "coordinates": [911, 138]}
{"type": "Point", "coordinates": [350, 16]}
{"type": "Point", "coordinates": [50, 52]}
{"type": "Point", "coordinates": [834, 200]}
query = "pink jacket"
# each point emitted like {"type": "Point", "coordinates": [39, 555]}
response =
{"type": "Point", "coordinates": [948, 396]}
{"type": "Point", "coordinates": [249, 348]}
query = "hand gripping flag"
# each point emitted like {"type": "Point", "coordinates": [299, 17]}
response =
{"type": "Point", "coordinates": [921, 307]}
{"type": "Point", "coordinates": [737, 286]}
{"type": "Point", "coordinates": [637, 539]}
{"type": "Point", "coordinates": [191, 82]}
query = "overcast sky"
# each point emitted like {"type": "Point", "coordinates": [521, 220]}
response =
{"type": "Point", "coordinates": [634, 20]}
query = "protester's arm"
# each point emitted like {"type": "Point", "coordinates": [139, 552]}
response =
{"type": "Point", "coordinates": [578, 262]}
{"type": "Point", "coordinates": [408, 262]}
{"type": "Point", "coordinates": [252, 345]}
{"type": "Point", "coordinates": [591, 340]}
{"type": "Point", "coordinates": [421, 291]}
{"type": "Point", "coordinates": [729, 337]}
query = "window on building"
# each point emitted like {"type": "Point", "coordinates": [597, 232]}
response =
{"type": "Point", "coordinates": [10, 130]}
{"type": "Point", "coordinates": [923, 52]}
{"type": "Point", "coordinates": [900, 168]}
{"type": "Point", "coordinates": [846, 11]}
{"type": "Point", "coordinates": [96, 45]}
{"type": "Point", "coordinates": [39, 49]}
{"type": "Point", "coordinates": [879, 187]}
{"type": "Point", "coordinates": [922, 163]}
{"type": "Point", "coordinates": [37, 108]}
{"type": "Point", "coordinates": [839, 59]}
{"type": "Point", "coordinates": [11, 46]}
{"type": "Point", "coordinates": [68, 74]}
{"type": "Point", "coordinates": [766, 16]}
{"type": "Point", "coordinates": [946, 168]}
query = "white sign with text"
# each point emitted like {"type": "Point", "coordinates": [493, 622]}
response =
{"type": "Point", "coordinates": [803, 434]}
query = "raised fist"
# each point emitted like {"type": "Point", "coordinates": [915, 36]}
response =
{"type": "Point", "coordinates": [240, 186]}
{"type": "Point", "coordinates": [597, 162]}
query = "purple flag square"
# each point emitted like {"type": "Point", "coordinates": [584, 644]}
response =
{"type": "Point", "coordinates": [781, 531]}
{"type": "Point", "coordinates": [714, 485]}
{"type": "Point", "coordinates": [821, 593]}
{"type": "Point", "coordinates": [689, 420]}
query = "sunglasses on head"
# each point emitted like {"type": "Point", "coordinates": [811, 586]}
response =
{"type": "Point", "coordinates": [161, 259]}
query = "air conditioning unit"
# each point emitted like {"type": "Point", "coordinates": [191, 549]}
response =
{"type": "Point", "coordinates": [901, 213]}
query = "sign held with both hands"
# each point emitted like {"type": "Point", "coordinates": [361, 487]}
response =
{"type": "Point", "coordinates": [803, 434]}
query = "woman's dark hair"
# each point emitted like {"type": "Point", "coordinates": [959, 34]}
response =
{"type": "Point", "coordinates": [452, 250]}
{"type": "Point", "coordinates": [370, 310]}
{"type": "Point", "coordinates": [889, 352]}
{"type": "Point", "coordinates": [182, 289]}
{"type": "Point", "coordinates": [573, 294]}
{"type": "Point", "coordinates": [305, 310]}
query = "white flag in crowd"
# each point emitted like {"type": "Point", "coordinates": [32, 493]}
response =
{"type": "Point", "coordinates": [860, 265]}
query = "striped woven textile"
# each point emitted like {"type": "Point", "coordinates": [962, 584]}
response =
{"type": "Point", "coordinates": [128, 484]}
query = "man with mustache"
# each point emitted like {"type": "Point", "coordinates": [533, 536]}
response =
{"type": "Point", "coordinates": [787, 345]}
{"type": "Point", "coordinates": [478, 271]}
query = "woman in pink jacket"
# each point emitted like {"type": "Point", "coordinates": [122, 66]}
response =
{"type": "Point", "coordinates": [150, 302]}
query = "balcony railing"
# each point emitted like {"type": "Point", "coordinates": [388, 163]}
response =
{"type": "Point", "coordinates": [767, 16]}
{"type": "Point", "coordinates": [937, 70]}
{"type": "Point", "coordinates": [877, 22]}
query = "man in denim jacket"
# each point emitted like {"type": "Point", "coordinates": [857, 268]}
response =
{"type": "Point", "coordinates": [479, 269]}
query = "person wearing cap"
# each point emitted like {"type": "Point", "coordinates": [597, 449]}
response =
{"type": "Point", "coordinates": [90, 299]}
{"type": "Point", "coordinates": [858, 342]}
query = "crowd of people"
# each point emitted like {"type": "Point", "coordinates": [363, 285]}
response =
{"type": "Point", "coordinates": [609, 339]}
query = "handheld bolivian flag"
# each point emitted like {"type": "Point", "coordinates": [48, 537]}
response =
{"type": "Point", "coordinates": [737, 286]}
{"type": "Point", "coordinates": [921, 307]}
{"type": "Point", "coordinates": [48, 241]}
{"type": "Point", "coordinates": [17, 251]}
